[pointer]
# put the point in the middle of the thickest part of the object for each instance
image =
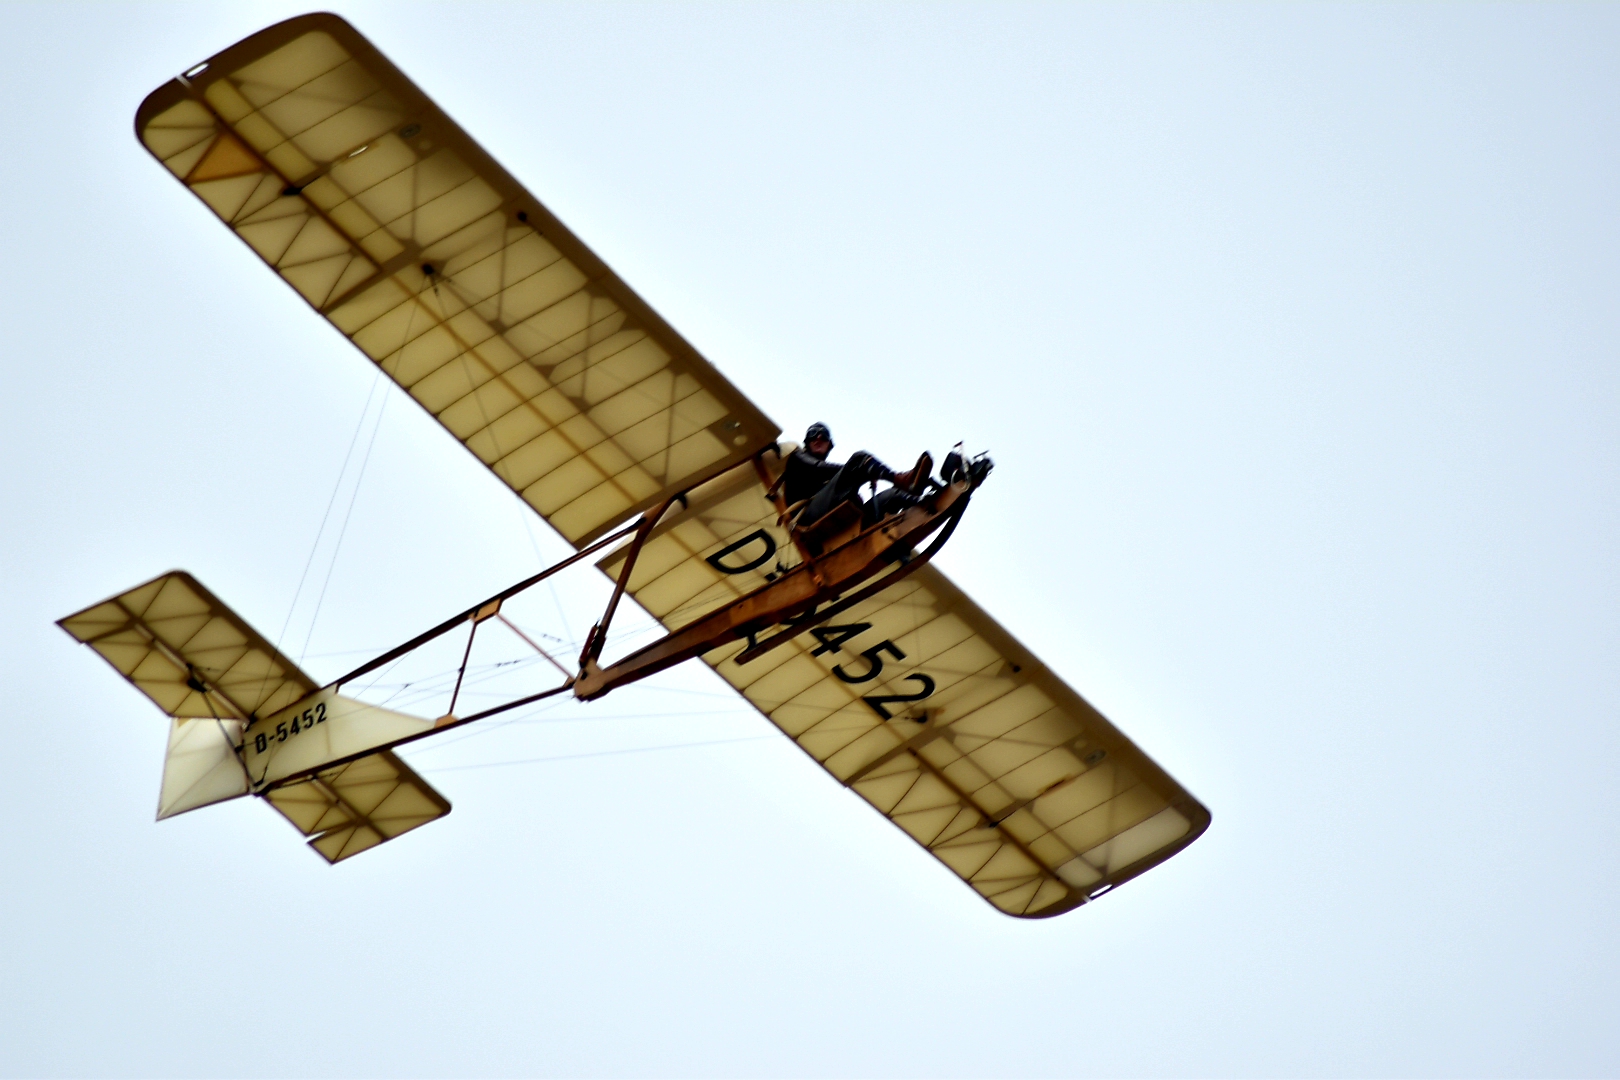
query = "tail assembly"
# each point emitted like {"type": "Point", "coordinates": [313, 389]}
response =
{"type": "Point", "coordinates": [243, 719]}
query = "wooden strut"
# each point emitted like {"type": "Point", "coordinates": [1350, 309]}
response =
{"type": "Point", "coordinates": [461, 674]}
{"type": "Point", "coordinates": [796, 592]}
{"type": "Point", "coordinates": [597, 638]}
{"type": "Point", "coordinates": [472, 612]}
{"type": "Point", "coordinates": [799, 592]}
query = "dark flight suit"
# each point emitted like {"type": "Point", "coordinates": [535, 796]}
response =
{"type": "Point", "coordinates": [826, 485]}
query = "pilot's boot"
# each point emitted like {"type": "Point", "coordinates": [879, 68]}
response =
{"type": "Point", "coordinates": [913, 480]}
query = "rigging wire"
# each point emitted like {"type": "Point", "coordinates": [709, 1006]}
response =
{"type": "Point", "coordinates": [524, 510]}
{"type": "Point", "coordinates": [354, 495]}
{"type": "Point", "coordinates": [321, 529]}
{"type": "Point", "coordinates": [429, 686]}
{"type": "Point", "coordinates": [330, 502]}
{"type": "Point", "coordinates": [536, 717]}
{"type": "Point", "coordinates": [604, 753]}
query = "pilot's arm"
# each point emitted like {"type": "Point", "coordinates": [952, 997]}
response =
{"type": "Point", "coordinates": [806, 475]}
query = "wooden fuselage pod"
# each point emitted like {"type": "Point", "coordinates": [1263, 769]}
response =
{"type": "Point", "coordinates": [799, 590]}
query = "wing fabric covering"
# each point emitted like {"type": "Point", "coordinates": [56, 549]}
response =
{"type": "Point", "coordinates": [357, 806]}
{"type": "Point", "coordinates": [416, 245]}
{"type": "Point", "coordinates": [212, 674]}
{"type": "Point", "coordinates": [932, 713]}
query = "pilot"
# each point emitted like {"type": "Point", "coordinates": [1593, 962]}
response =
{"type": "Point", "coordinates": [809, 475]}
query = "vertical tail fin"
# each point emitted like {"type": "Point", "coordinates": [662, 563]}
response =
{"type": "Point", "coordinates": [202, 766]}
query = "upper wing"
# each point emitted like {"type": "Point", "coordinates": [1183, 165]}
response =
{"type": "Point", "coordinates": [919, 701]}
{"type": "Point", "coordinates": [398, 228]}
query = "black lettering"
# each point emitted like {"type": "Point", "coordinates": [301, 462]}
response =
{"type": "Point", "coordinates": [281, 733]}
{"type": "Point", "coordinates": [797, 620]}
{"type": "Point", "coordinates": [260, 742]}
{"type": "Point", "coordinates": [874, 658]}
{"type": "Point", "coordinates": [295, 728]}
{"type": "Point", "coordinates": [831, 637]}
{"type": "Point", "coordinates": [881, 702]}
{"type": "Point", "coordinates": [320, 712]}
{"type": "Point", "coordinates": [759, 535]}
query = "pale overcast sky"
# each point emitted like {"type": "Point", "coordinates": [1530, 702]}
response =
{"type": "Point", "coordinates": [1293, 331]}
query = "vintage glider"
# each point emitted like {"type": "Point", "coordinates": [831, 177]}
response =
{"type": "Point", "coordinates": [416, 245]}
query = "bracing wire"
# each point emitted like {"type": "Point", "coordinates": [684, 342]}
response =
{"type": "Point", "coordinates": [331, 501]}
{"type": "Point", "coordinates": [524, 509]}
{"type": "Point", "coordinates": [604, 753]}
{"type": "Point", "coordinates": [348, 513]}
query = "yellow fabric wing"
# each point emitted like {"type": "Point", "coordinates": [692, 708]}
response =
{"type": "Point", "coordinates": [920, 702]}
{"type": "Point", "coordinates": [392, 223]}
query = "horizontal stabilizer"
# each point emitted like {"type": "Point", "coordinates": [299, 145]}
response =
{"type": "Point", "coordinates": [188, 652]}
{"type": "Point", "coordinates": [321, 730]}
{"type": "Point", "coordinates": [353, 807]}
{"type": "Point", "coordinates": [208, 670]}
{"type": "Point", "coordinates": [237, 704]}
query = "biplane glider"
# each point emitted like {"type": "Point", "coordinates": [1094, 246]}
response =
{"type": "Point", "coordinates": [414, 243]}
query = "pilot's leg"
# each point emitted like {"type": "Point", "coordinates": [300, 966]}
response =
{"type": "Point", "coordinates": [886, 502]}
{"type": "Point", "coordinates": [845, 484]}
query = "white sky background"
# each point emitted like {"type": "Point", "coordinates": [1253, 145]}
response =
{"type": "Point", "coordinates": [1293, 331]}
